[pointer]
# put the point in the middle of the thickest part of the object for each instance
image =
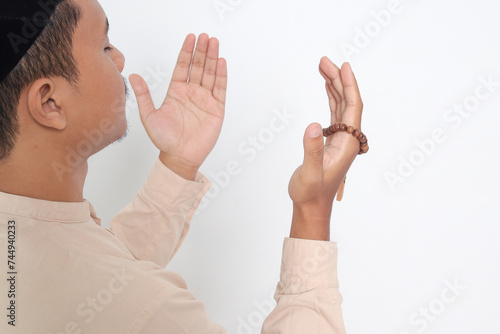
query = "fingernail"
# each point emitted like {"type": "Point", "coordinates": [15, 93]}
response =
{"type": "Point", "coordinates": [315, 132]}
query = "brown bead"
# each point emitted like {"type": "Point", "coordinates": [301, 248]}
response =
{"type": "Point", "coordinates": [363, 141]}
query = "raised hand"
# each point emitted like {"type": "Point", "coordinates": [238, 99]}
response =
{"type": "Point", "coordinates": [313, 186]}
{"type": "Point", "coordinates": [187, 125]}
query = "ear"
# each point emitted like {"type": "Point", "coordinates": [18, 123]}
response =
{"type": "Point", "coordinates": [44, 106]}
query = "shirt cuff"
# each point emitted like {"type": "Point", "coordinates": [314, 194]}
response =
{"type": "Point", "coordinates": [171, 191]}
{"type": "Point", "coordinates": [310, 263]}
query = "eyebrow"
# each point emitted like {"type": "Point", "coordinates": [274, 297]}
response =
{"type": "Point", "coordinates": [107, 27]}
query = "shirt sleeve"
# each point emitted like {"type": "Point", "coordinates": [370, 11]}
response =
{"type": "Point", "coordinates": [154, 225]}
{"type": "Point", "coordinates": [308, 297]}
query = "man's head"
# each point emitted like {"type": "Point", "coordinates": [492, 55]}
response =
{"type": "Point", "coordinates": [66, 88]}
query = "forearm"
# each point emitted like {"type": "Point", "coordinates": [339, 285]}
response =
{"type": "Point", "coordinates": [311, 223]}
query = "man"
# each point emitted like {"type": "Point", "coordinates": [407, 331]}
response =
{"type": "Point", "coordinates": [62, 99]}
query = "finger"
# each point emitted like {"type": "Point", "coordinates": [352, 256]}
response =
{"type": "Point", "coordinates": [333, 106]}
{"type": "Point", "coordinates": [221, 81]}
{"type": "Point", "coordinates": [181, 71]}
{"type": "Point", "coordinates": [331, 71]}
{"type": "Point", "coordinates": [199, 60]}
{"type": "Point", "coordinates": [329, 92]}
{"type": "Point", "coordinates": [329, 81]}
{"type": "Point", "coordinates": [211, 65]}
{"type": "Point", "coordinates": [331, 99]}
{"type": "Point", "coordinates": [143, 95]}
{"type": "Point", "coordinates": [314, 150]}
{"type": "Point", "coordinates": [335, 100]}
{"type": "Point", "coordinates": [354, 104]}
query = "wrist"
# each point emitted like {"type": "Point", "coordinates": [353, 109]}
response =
{"type": "Point", "coordinates": [179, 167]}
{"type": "Point", "coordinates": [311, 222]}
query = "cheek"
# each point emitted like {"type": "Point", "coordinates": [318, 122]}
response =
{"type": "Point", "coordinates": [101, 93]}
{"type": "Point", "coordinates": [108, 92]}
{"type": "Point", "coordinates": [108, 107]}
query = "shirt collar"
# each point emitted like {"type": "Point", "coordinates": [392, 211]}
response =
{"type": "Point", "coordinates": [63, 212]}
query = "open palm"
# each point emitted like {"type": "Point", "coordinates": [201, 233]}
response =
{"type": "Point", "coordinates": [188, 123]}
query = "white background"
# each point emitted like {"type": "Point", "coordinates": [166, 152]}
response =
{"type": "Point", "coordinates": [399, 245]}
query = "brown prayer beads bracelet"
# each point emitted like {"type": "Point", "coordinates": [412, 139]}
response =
{"type": "Point", "coordinates": [363, 141]}
{"type": "Point", "coordinates": [341, 127]}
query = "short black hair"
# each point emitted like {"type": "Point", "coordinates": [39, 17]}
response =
{"type": "Point", "coordinates": [50, 56]}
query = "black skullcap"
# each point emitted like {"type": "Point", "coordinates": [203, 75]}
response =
{"type": "Point", "coordinates": [21, 22]}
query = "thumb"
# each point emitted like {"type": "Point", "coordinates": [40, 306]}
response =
{"type": "Point", "coordinates": [314, 151]}
{"type": "Point", "coordinates": [143, 95]}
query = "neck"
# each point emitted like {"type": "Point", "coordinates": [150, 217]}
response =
{"type": "Point", "coordinates": [36, 174]}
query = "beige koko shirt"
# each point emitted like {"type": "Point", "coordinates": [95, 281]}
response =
{"type": "Point", "coordinates": [62, 272]}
